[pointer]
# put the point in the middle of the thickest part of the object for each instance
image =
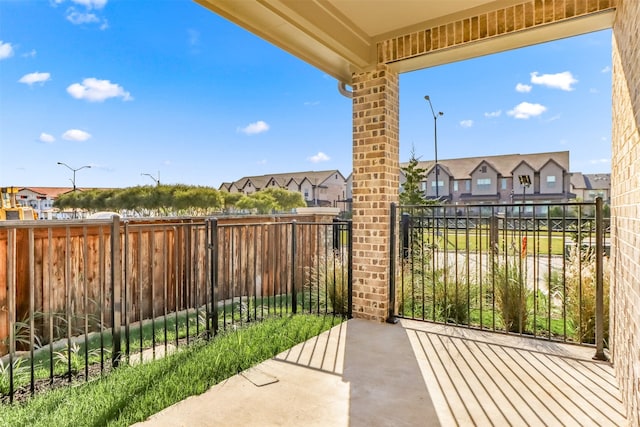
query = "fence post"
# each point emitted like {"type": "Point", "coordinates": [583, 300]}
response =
{"type": "Point", "coordinates": [294, 298]}
{"type": "Point", "coordinates": [406, 218]}
{"type": "Point", "coordinates": [391, 318]}
{"type": "Point", "coordinates": [337, 226]}
{"type": "Point", "coordinates": [599, 333]}
{"type": "Point", "coordinates": [213, 248]}
{"type": "Point", "coordinates": [350, 269]}
{"type": "Point", "coordinates": [116, 287]}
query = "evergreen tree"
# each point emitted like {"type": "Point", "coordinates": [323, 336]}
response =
{"type": "Point", "coordinates": [411, 193]}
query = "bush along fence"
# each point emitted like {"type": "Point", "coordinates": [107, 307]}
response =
{"type": "Point", "coordinates": [78, 298]}
{"type": "Point", "coordinates": [537, 270]}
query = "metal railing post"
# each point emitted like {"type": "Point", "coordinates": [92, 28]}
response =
{"type": "Point", "coordinates": [294, 298]}
{"type": "Point", "coordinates": [599, 332]}
{"type": "Point", "coordinates": [213, 248]}
{"type": "Point", "coordinates": [350, 269]}
{"type": "Point", "coordinates": [391, 318]}
{"type": "Point", "coordinates": [116, 287]}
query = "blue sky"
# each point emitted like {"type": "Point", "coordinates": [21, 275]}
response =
{"type": "Point", "coordinates": [168, 88]}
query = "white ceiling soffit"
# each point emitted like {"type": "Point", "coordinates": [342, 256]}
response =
{"type": "Point", "coordinates": [339, 36]}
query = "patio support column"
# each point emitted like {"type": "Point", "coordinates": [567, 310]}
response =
{"type": "Point", "coordinates": [625, 206]}
{"type": "Point", "coordinates": [375, 187]}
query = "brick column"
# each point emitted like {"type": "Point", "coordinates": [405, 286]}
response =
{"type": "Point", "coordinates": [375, 187]}
{"type": "Point", "coordinates": [625, 202]}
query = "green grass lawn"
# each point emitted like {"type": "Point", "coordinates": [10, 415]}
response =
{"type": "Point", "coordinates": [133, 393]}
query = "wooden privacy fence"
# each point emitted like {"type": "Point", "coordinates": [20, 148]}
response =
{"type": "Point", "coordinates": [57, 279]}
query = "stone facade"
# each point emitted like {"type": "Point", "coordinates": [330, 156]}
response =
{"type": "Point", "coordinates": [625, 205]}
{"type": "Point", "coordinates": [376, 173]}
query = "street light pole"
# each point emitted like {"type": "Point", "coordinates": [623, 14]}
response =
{"type": "Point", "coordinates": [157, 181]}
{"type": "Point", "coordinates": [435, 141]}
{"type": "Point", "coordinates": [73, 180]}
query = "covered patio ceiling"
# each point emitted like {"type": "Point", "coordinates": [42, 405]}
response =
{"type": "Point", "coordinates": [340, 37]}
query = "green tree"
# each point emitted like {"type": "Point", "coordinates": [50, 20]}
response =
{"type": "Point", "coordinates": [411, 193]}
{"type": "Point", "coordinates": [286, 200]}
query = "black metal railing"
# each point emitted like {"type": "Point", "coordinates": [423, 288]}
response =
{"type": "Point", "coordinates": [78, 298]}
{"type": "Point", "coordinates": [535, 270]}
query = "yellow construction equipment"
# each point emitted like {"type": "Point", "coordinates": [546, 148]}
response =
{"type": "Point", "coordinates": [9, 209]}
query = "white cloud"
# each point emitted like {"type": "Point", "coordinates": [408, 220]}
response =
{"type": "Point", "coordinates": [91, 4]}
{"type": "Point", "coordinates": [599, 161]}
{"type": "Point", "coordinates": [493, 114]}
{"type": "Point", "coordinates": [95, 90]}
{"type": "Point", "coordinates": [194, 37]}
{"type": "Point", "coordinates": [525, 110]}
{"type": "Point", "coordinates": [254, 128]}
{"type": "Point", "coordinates": [45, 137]}
{"type": "Point", "coordinates": [606, 69]}
{"type": "Point", "coordinates": [78, 18]}
{"type": "Point", "coordinates": [466, 123]}
{"type": "Point", "coordinates": [6, 50]}
{"type": "Point", "coordinates": [36, 77]}
{"type": "Point", "coordinates": [563, 81]}
{"type": "Point", "coordinates": [522, 88]}
{"type": "Point", "coordinates": [311, 103]}
{"type": "Point", "coordinates": [320, 157]}
{"type": "Point", "coordinates": [76, 135]}
{"type": "Point", "coordinates": [31, 54]}
{"type": "Point", "coordinates": [262, 162]}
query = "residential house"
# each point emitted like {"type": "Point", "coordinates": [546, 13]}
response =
{"type": "Point", "coordinates": [587, 187]}
{"type": "Point", "coordinates": [319, 188]}
{"type": "Point", "coordinates": [495, 179]}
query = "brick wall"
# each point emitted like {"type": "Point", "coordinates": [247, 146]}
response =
{"type": "Point", "coordinates": [625, 203]}
{"type": "Point", "coordinates": [526, 15]}
{"type": "Point", "coordinates": [375, 186]}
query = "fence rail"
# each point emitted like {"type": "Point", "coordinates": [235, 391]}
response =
{"type": "Point", "coordinates": [509, 268]}
{"type": "Point", "coordinates": [77, 298]}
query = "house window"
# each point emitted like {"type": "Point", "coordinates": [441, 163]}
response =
{"type": "Point", "coordinates": [483, 183]}
{"type": "Point", "coordinates": [467, 185]}
{"type": "Point", "coordinates": [503, 183]}
{"type": "Point", "coordinates": [306, 194]}
{"type": "Point", "coordinates": [483, 169]}
{"type": "Point", "coordinates": [551, 181]}
{"type": "Point", "coordinates": [455, 185]}
{"type": "Point", "coordinates": [440, 184]}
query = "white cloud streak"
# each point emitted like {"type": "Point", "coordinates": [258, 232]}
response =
{"type": "Point", "coordinates": [78, 18]}
{"type": "Point", "coordinates": [523, 88]}
{"type": "Point", "coordinates": [466, 123]}
{"type": "Point", "coordinates": [45, 137]}
{"type": "Point", "coordinates": [493, 114]}
{"type": "Point", "coordinates": [320, 157]}
{"type": "Point", "coordinates": [563, 81]}
{"type": "Point", "coordinates": [6, 50]}
{"type": "Point", "coordinates": [76, 135]}
{"type": "Point", "coordinates": [94, 90]}
{"type": "Point", "coordinates": [254, 128]}
{"type": "Point", "coordinates": [525, 110]}
{"type": "Point", "coordinates": [36, 77]}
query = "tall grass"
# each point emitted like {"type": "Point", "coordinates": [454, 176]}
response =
{"type": "Point", "coordinates": [508, 276]}
{"type": "Point", "coordinates": [581, 295]}
{"type": "Point", "coordinates": [132, 393]}
{"type": "Point", "coordinates": [327, 284]}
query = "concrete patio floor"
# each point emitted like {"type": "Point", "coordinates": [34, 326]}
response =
{"type": "Point", "coordinates": [363, 373]}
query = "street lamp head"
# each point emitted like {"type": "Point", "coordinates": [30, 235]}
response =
{"type": "Point", "coordinates": [440, 113]}
{"type": "Point", "coordinates": [427, 97]}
